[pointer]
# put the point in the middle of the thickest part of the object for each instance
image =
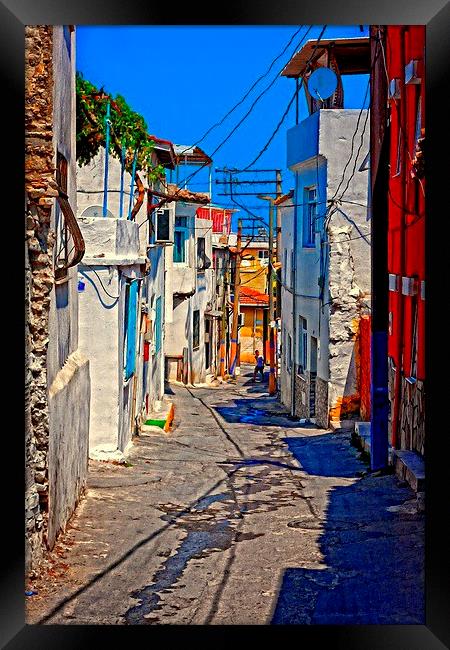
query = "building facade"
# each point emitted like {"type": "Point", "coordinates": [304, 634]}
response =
{"type": "Point", "coordinates": [326, 248]}
{"type": "Point", "coordinates": [398, 190]}
{"type": "Point", "coordinates": [58, 373]}
{"type": "Point", "coordinates": [190, 289]}
{"type": "Point", "coordinates": [122, 301]}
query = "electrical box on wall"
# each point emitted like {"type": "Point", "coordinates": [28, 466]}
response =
{"type": "Point", "coordinates": [164, 226]}
{"type": "Point", "coordinates": [394, 282]}
{"type": "Point", "coordinates": [409, 286]}
{"type": "Point", "coordinates": [412, 73]}
{"type": "Point", "coordinates": [394, 89]}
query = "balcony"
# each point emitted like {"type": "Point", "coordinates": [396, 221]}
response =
{"type": "Point", "coordinates": [302, 140]}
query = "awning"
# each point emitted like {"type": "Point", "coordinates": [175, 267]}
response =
{"type": "Point", "coordinates": [352, 56]}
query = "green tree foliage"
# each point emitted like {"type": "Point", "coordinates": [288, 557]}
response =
{"type": "Point", "coordinates": [127, 129]}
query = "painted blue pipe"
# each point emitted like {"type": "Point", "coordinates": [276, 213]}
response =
{"type": "Point", "coordinates": [105, 180]}
{"type": "Point", "coordinates": [133, 172]}
{"type": "Point", "coordinates": [379, 444]}
{"type": "Point", "coordinates": [122, 170]}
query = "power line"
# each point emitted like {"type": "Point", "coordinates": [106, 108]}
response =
{"type": "Point", "coordinates": [241, 101]}
{"type": "Point", "coordinates": [234, 129]}
{"type": "Point", "coordinates": [353, 143]}
{"type": "Point", "coordinates": [297, 90]}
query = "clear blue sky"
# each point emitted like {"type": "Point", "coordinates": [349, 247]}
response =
{"type": "Point", "coordinates": [183, 79]}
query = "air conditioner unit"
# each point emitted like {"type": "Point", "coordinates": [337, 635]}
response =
{"type": "Point", "coordinates": [163, 226]}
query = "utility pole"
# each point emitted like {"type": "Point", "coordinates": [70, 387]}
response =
{"type": "Point", "coordinates": [233, 180]}
{"type": "Point", "coordinates": [279, 193]}
{"type": "Point", "coordinates": [278, 270]}
{"type": "Point", "coordinates": [237, 282]}
{"type": "Point", "coordinates": [223, 333]}
{"type": "Point", "coordinates": [272, 379]}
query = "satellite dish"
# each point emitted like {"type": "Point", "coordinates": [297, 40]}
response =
{"type": "Point", "coordinates": [96, 211]}
{"type": "Point", "coordinates": [322, 83]}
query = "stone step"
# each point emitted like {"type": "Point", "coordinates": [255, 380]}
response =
{"type": "Point", "coordinates": [410, 467]}
{"type": "Point", "coordinates": [363, 434]}
{"type": "Point", "coordinates": [161, 418]}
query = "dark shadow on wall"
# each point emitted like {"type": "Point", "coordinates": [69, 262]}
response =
{"type": "Point", "coordinates": [373, 556]}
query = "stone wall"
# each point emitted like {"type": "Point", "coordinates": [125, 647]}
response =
{"type": "Point", "coordinates": [346, 298]}
{"type": "Point", "coordinates": [57, 388]}
{"type": "Point", "coordinates": [412, 416]}
{"type": "Point", "coordinates": [302, 396]}
{"type": "Point", "coordinates": [322, 413]}
{"type": "Point", "coordinates": [40, 190]}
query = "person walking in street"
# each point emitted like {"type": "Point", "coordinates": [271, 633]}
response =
{"type": "Point", "coordinates": [259, 367]}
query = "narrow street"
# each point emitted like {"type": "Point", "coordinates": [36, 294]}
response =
{"type": "Point", "coordinates": [237, 516]}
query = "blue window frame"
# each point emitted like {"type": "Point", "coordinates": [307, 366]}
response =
{"type": "Point", "coordinates": [158, 325]}
{"type": "Point", "coordinates": [181, 235]}
{"type": "Point", "coordinates": [131, 294]}
{"type": "Point", "coordinates": [309, 217]}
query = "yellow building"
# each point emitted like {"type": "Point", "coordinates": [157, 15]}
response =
{"type": "Point", "coordinates": [254, 300]}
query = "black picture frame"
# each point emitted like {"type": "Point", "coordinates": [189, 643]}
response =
{"type": "Point", "coordinates": [435, 14]}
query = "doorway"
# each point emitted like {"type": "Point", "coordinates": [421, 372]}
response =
{"type": "Point", "coordinates": [207, 343]}
{"type": "Point", "coordinates": [312, 377]}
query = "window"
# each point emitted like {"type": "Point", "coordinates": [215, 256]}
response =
{"type": "Point", "coordinates": [309, 217]}
{"type": "Point", "coordinates": [62, 234]}
{"type": "Point", "coordinates": [131, 295]}
{"type": "Point", "coordinates": [302, 345]}
{"type": "Point", "coordinates": [158, 325]}
{"type": "Point", "coordinates": [162, 222]}
{"type": "Point", "coordinates": [181, 238]}
{"type": "Point", "coordinates": [69, 244]}
{"type": "Point", "coordinates": [289, 353]}
{"type": "Point", "coordinates": [263, 257]}
{"type": "Point", "coordinates": [201, 253]}
{"type": "Point", "coordinates": [62, 306]}
{"type": "Point", "coordinates": [196, 329]}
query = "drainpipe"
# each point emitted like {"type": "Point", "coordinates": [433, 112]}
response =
{"type": "Point", "coordinates": [396, 433]}
{"type": "Point", "coordinates": [380, 293]}
{"type": "Point", "coordinates": [122, 170]}
{"type": "Point", "coordinates": [294, 295]}
{"type": "Point", "coordinates": [105, 179]}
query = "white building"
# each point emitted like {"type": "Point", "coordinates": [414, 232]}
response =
{"type": "Point", "coordinates": [191, 291]}
{"type": "Point", "coordinates": [325, 256]}
{"type": "Point", "coordinates": [57, 372]}
{"type": "Point", "coordinates": [122, 294]}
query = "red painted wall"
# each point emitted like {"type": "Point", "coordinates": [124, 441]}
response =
{"type": "Point", "coordinates": [220, 217]}
{"type": "Point", "coordinates": [406, 217]}
{"type": "Point", "coordinates": [364, 366]}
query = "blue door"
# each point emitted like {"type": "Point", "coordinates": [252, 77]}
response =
{"type": "Point", "coordinates": [130, 328]}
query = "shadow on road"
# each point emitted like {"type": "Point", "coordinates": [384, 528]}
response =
{"type": "Point", "coordinates": [372, 545]}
